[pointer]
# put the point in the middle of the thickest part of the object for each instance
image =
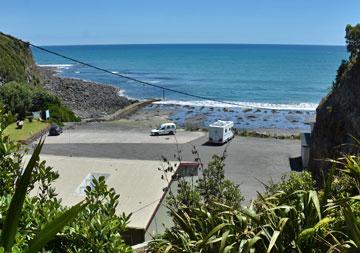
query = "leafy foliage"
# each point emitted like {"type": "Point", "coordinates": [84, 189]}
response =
{"type": "Point", "coordinates": [98, 228]}
{"type": "Point", "coordinates": [292, 182]}
{"type": "Point", "coordinates": [20, 98]}
{"type": "Point", "coordinates": [353, 38]}
{"type": "Point", "coordinates": [20, 91]}
{"type": "Point", "coordinates": [214, 188]}
{"type": "Point", "coordinates": [16, 97]}
{"type": "Point", "coordinates": [60, 113]}
{"type": "Point", "coordinates": [291, 216]}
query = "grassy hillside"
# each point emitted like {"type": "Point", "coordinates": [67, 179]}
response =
{"type": "Point", "coordinates": [16, 62]}
{"type": "Point", "coordinates": [21, 91]}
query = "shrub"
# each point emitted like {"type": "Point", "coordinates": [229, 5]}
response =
{"type": "Point", "coordinates": [291, 182]}
{"type": "Point", "coordinates": [290, 217]}
{"type": "Point", "coordinates": [60, 113]}
{"type": "Point", "coordinates": [41, 99]}
{"type": "Point", "coordinates": [17, 97]}
{"type": "Point", "coordinates": [20, 98]}
{"type": "Point", "coordinates": [353, 39]}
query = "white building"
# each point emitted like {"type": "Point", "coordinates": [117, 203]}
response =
{"type": "Point", "coordinates": [142, 190]}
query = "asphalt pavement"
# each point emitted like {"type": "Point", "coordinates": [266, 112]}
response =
{"type": "Point", "coordinates": [249, 161]}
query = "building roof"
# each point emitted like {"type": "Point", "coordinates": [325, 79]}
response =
{"type": "Point", "coordinates": [221, 123]}
{"type": "Point", "coordinates": [138, 182]}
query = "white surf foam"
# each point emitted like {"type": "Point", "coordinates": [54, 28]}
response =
{"type": "Point", "coordinates": [121, 93]}
{"type": "Point", "coordinates": [207, 103]}
{"type": "Point", "coordinates": [58, 66]}
{"type": "Point", "coordinates": [152, 81]}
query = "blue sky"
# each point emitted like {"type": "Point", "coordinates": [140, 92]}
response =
{"type": "Point", "coordinates": [182, 21]}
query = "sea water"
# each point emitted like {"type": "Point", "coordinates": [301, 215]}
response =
{"type": "Point", "coordinates": [280, 77]}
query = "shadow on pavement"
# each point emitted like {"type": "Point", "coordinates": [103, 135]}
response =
{"type": "Point", "coordinates": [296, 163]}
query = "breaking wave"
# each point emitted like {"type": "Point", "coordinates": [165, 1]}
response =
{"type": "Point", "coordinates": [207, 103]}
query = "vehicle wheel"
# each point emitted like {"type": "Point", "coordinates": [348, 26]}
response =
{"type": "Point", "coordinates": [171, 133]}
{"type": "Point", "coordinates": [156, 134]}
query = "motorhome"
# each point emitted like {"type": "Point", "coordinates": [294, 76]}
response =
{"type": "Point", "coordinates": [221, 131]}
{"type": "Point", "coordinates": [166, 128]}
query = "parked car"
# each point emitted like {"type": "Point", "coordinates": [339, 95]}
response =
{"type": "Point", "coordinates": [167, 128]}
{"type": "Point", "coordinates": [55, 130]}
{"type": "Point", "coordinates": [221, 131]}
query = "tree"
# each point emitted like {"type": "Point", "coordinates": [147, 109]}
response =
{"type": "Point", "coordinates": [41, 100]}
{"type": "Point", "coordinates": [353, 39]}
{"type": "Point", "coordinates": [16, 97]}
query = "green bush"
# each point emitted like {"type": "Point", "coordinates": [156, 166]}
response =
{"type": "Point", "coordinates": [60, 113]}
{"type": "Point", "coordinates": [41, 99]}
{"type": "Point", "coordinates": [192, 126]}
{"type": "Point", "coordinates": [291, 216]}
{"type": "Point", "coordinates": [20, 98]}
{"type": "Point", "coordinates": [17, 97]}
{"type": "Point", "coordinates": [353, 39]}
{"type": "Point", "coordinates": [291, 182]}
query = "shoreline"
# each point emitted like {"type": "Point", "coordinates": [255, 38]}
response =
{"type": "Point", "coordinates": [87, 99]}
{"type": "Point", "coordinates": [303, 107]}
{"type": "Point", "coordinates": [259, 120]}
{"type": "Point", "coordinates": [106, 99]}
{"type": "Point", "coordinates": [151, 116]}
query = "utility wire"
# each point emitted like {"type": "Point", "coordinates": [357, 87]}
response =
{"type": "Point", "coordinates": [137, 80]}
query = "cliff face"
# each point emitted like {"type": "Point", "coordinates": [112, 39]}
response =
{"type": "Point", "coordinates": [338, 115]}
{"type": "Point", "coordinates": [16, 61]}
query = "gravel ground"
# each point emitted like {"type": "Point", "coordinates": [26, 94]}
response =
{"type": "Point", "coordinates": [249, 160]}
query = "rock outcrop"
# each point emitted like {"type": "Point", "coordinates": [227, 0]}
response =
{"type": "Point", "coordinates": [338, 115]}
{"type": "Point", "coordinates": [86, 99]}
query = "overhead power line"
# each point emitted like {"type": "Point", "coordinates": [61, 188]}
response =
{"type": "Point", "coordinates": [137, 80]}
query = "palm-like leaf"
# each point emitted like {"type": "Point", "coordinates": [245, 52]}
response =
{"type": "Point", "coordinates": [17, 201]}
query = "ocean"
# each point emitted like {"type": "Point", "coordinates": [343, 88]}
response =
{"type": "Point", "coordinates": [281, 77]}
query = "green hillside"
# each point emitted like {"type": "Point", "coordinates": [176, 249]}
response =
{"type": "Point", "coordinates": [16, 62]}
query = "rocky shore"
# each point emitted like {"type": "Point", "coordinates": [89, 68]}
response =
{"type": "Point", "coordinates": [86, 99]}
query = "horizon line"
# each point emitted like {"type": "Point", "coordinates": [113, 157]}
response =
{"type": "Point", "coordinates": [189, 43]}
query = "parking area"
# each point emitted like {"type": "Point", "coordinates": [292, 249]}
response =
{"type": "Point", "coordinates": [117, 133]}
{"type": "Point", "coordinates": [249, 161]}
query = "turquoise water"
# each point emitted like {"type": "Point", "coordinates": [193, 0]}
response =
{"type": "Point", "coordinates": [266, 76]}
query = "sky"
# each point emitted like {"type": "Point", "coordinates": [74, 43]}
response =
{"type": "Point", "coordinates": [70, 22]}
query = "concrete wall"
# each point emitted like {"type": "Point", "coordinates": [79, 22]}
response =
{"type": "Point", "coordinates": [161, 220]}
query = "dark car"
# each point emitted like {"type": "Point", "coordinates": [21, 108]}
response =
{"type": "Point", "coordinates": [55, 130]}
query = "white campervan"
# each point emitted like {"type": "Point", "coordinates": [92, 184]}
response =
{"type": "Point", "coordinates": [166, 128]}
{"type": "Point", "coordinates": [221, 131]}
